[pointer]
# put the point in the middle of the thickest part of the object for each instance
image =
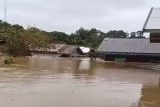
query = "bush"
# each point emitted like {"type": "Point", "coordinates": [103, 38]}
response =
{"type": "Point", "coordinates": [8, 60]}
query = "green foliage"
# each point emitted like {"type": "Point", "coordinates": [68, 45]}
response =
{"type": "Point", "coordinates": [82, 37]}
{"type": "Point", "coordinates": [138, 34]}
{"type": "Point", "coordinates": [132, 35]}
{"type": "Point", "coordinates": [90, 38]}
{"type": "Point", "coordinates": [117, 34]}
{"type": "Point", "coordinates": [8, 60]}
{"type": "Point", "coordinates": [58, 37]}
{"type": "Point", "coordinates": [19, 40]}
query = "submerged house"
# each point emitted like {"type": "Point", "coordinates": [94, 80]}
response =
{"type": "Point", "coordinates": [74, 51]}
{"type": "Point", "coordinates": [135, 50]}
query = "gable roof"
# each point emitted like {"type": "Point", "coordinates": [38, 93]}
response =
{"type": "Point", "coordinates": [129, 46]}
{"type": "Point", "coordinates": [152, 23]}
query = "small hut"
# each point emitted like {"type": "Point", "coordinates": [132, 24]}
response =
{"type": "Point", "coordinates": [74, 51]}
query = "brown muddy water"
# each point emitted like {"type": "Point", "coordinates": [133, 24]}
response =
{"type": "Point", "coordinates": [59, 82]}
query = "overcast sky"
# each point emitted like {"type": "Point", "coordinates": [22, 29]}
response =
{"type": "Point", "coordinates": [70, 15]}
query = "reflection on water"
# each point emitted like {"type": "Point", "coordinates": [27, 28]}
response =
{"type": "Point", "coordinates": [59, 82]}
{"type": "Point", "coordinates": [84, 65]}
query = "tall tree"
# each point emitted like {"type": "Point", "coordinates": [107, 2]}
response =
{"type": "Point", "coordinates": [140, 34]}
{"type": "Point", "coordinates": [132, 35]}
{"type": "Point", "coordinates": [19, 40]}
{"type": "Point", "coordinates": [117, 34]}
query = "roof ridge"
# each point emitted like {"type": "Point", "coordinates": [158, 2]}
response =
{"type": "Point", "coordinates": [127, 38]}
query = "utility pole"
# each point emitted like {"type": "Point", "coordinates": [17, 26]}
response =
{"type": "Point", "coordinates": [5, 10]}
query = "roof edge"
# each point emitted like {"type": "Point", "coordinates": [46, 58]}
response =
{"type": "Point", "coordinates": [126, 38]}
{"type": "Point", "coordinates": [149, 15]}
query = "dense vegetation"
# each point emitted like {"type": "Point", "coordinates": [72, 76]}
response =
{"type": "Point", "coordinates": [91, 38]}
{"type": "Point", "coordinates": [20, 40]}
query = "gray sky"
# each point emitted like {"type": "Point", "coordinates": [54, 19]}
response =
{"type": "Point", "coordinates": [70, 15]}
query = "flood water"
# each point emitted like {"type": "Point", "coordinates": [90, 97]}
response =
{"type": "Point", "coordinates": [65, 82]}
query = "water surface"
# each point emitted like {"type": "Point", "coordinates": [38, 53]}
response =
{"type": "Point", "coordinates": [65, 82]}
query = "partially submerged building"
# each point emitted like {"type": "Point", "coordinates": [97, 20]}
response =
{"type": "Point", "coordinates": [74, 51]}
{"type": "Point", "coordinates": [139, 50]}
{"type": "Point", "coordinates": [135, 50]}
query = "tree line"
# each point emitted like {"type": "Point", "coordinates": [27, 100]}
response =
{"type": "Point", "coordinates": [91, 37]}
{"type": "Point", "coordinates": [20, 40]}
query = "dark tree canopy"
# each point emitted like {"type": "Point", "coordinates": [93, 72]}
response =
{"type": "Point", "coordinates": [138, 34]}
{"type": "Point", "coordinates": [91, 38]}
{"type": "Point", "coordinates": [117, 34]}
{"type": "Point", "coordinates": [19, 40]}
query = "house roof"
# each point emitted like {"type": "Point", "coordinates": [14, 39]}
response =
{"type": "Point", "coordinates": [129, 46]}
{"type": "Point", "coordinates": [152, 23]}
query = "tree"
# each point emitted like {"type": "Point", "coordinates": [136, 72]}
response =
{"type": "Point", "coordinates": [140, 34]}
{"type": "Point", "coordinates": [117, 34]}
{"type": "Point", "coordinates": [132, 35]}
{"type": "Point", "coordinates": [59, 37]}
{"type": "Point", "coordinates": [19, 41]}
{"type": "Point", "coordinates": [90, 38]}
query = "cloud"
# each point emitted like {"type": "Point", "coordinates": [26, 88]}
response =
{"type": "Point", "coordinates": [69, 15]}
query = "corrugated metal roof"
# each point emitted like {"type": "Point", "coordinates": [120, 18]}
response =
{"type": "Point", "coordinates": [152, 23]}
{"type": "Point", "coordinates": [129, 45]}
